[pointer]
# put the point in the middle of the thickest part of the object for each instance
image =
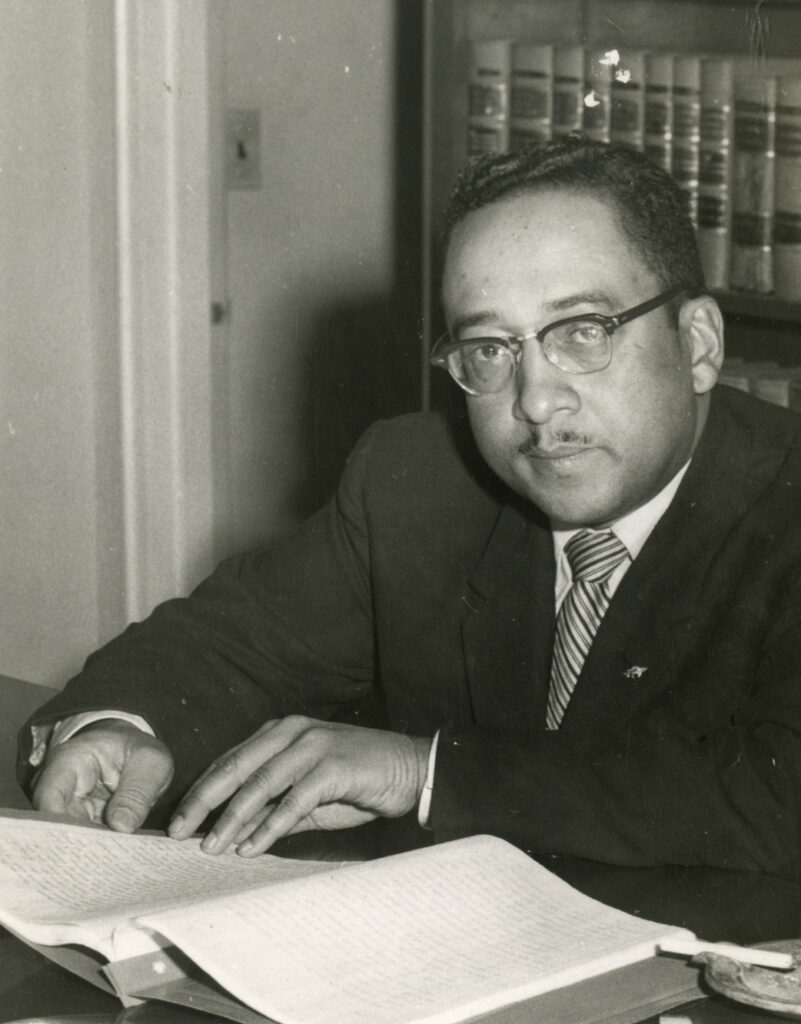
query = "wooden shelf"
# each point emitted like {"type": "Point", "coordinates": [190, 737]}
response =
{"type": "Point", "coordinates": [759, 307]}
{"type": "Point", "coordinates": [768, 6]}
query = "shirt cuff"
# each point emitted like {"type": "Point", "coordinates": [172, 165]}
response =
{"type": "Point", "coordinates": [424, 806]}
{"type": "Point", "coordinates": [51, 734]}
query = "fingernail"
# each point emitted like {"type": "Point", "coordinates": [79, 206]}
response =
{"type": "Point", "coordinates": [246, 848]}
{"type": "Point", "coordinates": [122, 820]}
{"type": "Point", "coordinates": [176, 825]}
{"type": "Point", "coordinates": [210, 843]}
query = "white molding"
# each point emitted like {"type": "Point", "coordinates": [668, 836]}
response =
{"type": "Point", "coordinates": [162, 139]}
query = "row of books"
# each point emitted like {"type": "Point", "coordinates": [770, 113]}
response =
{"type": "Point", "coordinates": [780, 385]}
{"type": "Point", "coordinates": [728, 131]}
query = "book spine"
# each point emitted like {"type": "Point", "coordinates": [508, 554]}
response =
{"type": "Point", "coordinates": [597, 101]}
{"type": "Point", "coordinates": [488, 96]}
{"type": "Point", "coordinates": [751, 267]}
{"type": "Point", "coordinates": [715, 169]}
{"type": "Point", "coordinates": [687, 126]}
{"type": "Point", "coordinates": [787, 226]}
{"type": "Point", "coordinates": [658, 142]}
{"type": "Point", "coordinates": [568, 89]}
{"type": "Point", "coordinates": [627, 121]}
{"type": "Point", "coordinates": [531, 104]}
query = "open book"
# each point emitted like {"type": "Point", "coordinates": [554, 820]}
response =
{"type": "Point", "coordinates": [438, 935]}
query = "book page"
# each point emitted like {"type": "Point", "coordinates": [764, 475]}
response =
{"type": "Point", "coordinates": [435, 935]}
{"type": "Point", "coordinates": [64, 882]}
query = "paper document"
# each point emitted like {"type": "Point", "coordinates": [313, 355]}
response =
{"type": "Point", "coordinates": [431, 936]}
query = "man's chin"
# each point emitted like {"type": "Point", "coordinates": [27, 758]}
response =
{"type": "Point", "coordinates": [568, 507]}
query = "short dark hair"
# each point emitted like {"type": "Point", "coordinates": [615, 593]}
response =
{"type": "Point", "coordinates": [653, 208]}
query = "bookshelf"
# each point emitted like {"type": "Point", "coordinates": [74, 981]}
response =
{"type": "Point", "coordinates": [754, 31]}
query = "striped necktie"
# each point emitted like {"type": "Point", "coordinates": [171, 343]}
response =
{"type": "Point", "coordinates": [593, 557]}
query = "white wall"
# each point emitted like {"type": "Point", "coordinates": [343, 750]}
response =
{"type": "Point", "coordinates": [58, 306]}
{"type": "Point", "coordinates": [317, 234]}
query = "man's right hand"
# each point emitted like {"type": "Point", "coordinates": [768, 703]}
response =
{"type": "Point", "coordinates": [108, 772]}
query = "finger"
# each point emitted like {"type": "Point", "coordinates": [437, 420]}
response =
{"type": "Point", "coordinates": [51, 792]}
{"type": "Point", "coordinates": [230, 772]}
{"type": "Point", "coordinates": [94, 804]}
{"type": "Point", "coordinates": [264, 786]}
{"type": "Point", "coordinates": [54, 789]}
{"type": "Point", "coordinates": [267, 727]}
{"type": "Point", "coordinates": [144, 777]}
{"type": "Point", "coordinates": [219, 782]}
{"type": "Point", "coordinates": [65, 796]}
{"type": "Point", "coordinates": [250, 827]}
{"type": "Point", "coordinates": [71, 785]}
{"type": "Point", "coordinates": [293, 813]}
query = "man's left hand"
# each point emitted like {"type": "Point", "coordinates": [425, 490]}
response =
{"type": "Point", "coordinates": [296, 774]}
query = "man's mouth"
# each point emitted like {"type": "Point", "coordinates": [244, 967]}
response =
{"type": "Point", "coordinates": [534, 449]}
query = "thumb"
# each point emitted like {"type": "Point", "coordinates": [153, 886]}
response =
{"type": "Point", "coordinates": [144, 777]}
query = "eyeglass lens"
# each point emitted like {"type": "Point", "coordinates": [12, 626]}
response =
{"type": "Point", "coordinates": [485, 365]}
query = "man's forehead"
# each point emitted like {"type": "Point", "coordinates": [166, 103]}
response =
{"type": "Point", "coordinates": [512, 214]}
{"type": "Point", "coordinates": [563, 245]}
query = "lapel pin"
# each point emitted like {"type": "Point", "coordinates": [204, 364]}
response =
{"type": "Point", "coordinates": [635, 672]}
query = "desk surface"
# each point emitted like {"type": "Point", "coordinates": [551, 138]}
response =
{"type": "Point", "coordinates": [33, 988]}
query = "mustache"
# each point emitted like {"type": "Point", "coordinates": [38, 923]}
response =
{"type": "Point", "coordinates": [539, 440]}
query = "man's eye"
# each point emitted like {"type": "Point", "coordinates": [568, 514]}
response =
{"type": "Point", "coordinates": [490, 352]}
{"type": "Point", "coordinates": [485, 351]}
{"type": "Point", "coordinates": [585, 332]}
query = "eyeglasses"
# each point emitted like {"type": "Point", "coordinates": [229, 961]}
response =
{"type": "Point", "coordinates": [576, 344]}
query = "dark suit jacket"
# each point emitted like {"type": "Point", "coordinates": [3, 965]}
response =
{"type": "Point", "coordinates": [426, 589]}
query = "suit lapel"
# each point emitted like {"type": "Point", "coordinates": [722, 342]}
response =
{"type": "Point", "coordinates": [508, 628]}
{"type": "Point", "coordinates": [640, 636]}
{"type": "Point", "coordinates": [652, 615]}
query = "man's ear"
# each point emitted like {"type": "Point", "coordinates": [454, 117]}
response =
{"type": "Point", "coordinates": [701, 329]}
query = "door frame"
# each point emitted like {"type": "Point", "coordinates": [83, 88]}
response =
{"type": "Point", "coordinates": [167, 63]}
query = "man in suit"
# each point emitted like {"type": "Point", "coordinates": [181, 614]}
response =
{"type": "Point", "coordinates": [576, 617]}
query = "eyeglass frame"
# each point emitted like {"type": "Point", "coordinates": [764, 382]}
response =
{"type": "Point", "coordinates": [443, 347]}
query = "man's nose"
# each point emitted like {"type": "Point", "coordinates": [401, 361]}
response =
{"type": "Point", "coordinates": [542, 388]}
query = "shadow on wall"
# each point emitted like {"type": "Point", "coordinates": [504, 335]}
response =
{"type": "Point", "coordinates": [363, 365]}
{"type": "Point", "coordinates": [363, 355]}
